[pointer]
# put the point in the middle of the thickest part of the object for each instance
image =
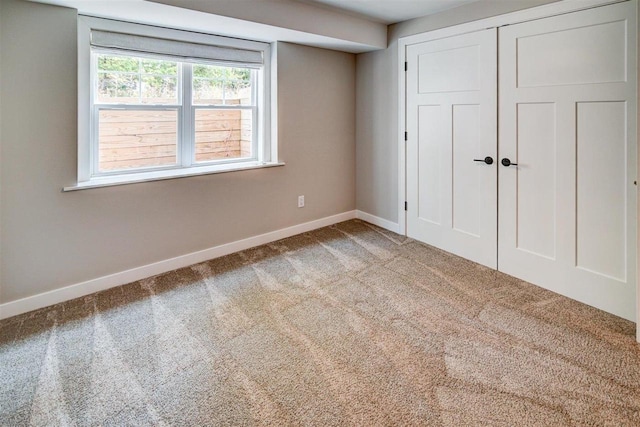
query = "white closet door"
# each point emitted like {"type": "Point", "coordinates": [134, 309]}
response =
{"type": "Point", "coordinates": [451, 123]}
{"type": "Point", "coordinates": [567, 210]}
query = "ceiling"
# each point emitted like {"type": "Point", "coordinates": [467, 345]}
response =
{"type": "Point", "coordinates": [391, 11]}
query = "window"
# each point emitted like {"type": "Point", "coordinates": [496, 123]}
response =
{"type": "Point", "coordinates": [165, 103]}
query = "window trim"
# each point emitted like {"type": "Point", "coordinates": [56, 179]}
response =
{"type": "Point", "coordinates": [264, 140]}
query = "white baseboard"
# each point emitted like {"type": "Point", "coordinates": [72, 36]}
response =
{"type": "Point", "coordinates": [380, 222]}
{"type": "Point", "coordinates": [46, 299]}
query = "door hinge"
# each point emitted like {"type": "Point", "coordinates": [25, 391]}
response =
{"type": "Point", "coordinates": [406, 136]}
{"type": "Point", "coordinates": [405, 206]}
{"type": "Point", "coordinates": [406, 66]}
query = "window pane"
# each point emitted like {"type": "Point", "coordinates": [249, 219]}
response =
{"type": "Point", "coordinates": [217, 85]}
{"type": "Point", "coordinates": [118, 63]}
{"type": "Point", "coordinates": [238, 92]}
{"type": "Point", "coordinates": [164, 68]}
{"type": "Point", "coordinates": [118, 88]}
{"type": "Point", "coordinates": [127, 87]}
{"type": "Point", "coordinates": [223, 134]}
{"type": "Point", "coordinates": [130, 139]}
{"type": "Point", "coordinates": [208, 92]}
{"type": "Point", "coordinates": [159, 90]}
{"type": "Point", "coordinates": [107, 86]}
{"type": "Point", "coordinates": [209, 72]}
{"type": "Point", "coordinates": [132, 80]}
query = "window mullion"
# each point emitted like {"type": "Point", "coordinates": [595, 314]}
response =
{"type": "Point", "coordinates": [256, 150]}
{"type": "Point", "coordinates": [92, 167]}
{"type": "Point", "coordinates": [140, 80]}
{"type": "Point", "coordinates": [95, 146]}
{"type": "Point", "coordinates": [187, 143]}
{"type": "Point", "coordinates": [257, 131]}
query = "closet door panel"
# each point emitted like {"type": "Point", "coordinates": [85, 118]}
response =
{"type": "Point", "coordinates": [567, 203]}
{"type": "Point", "coordinates": [536, 187]}
{"type": "Point", "coordinates": [601, 197]}
{"type": "Point", "coordinates": [451, 123]}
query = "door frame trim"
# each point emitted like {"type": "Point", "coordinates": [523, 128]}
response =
{"type": "Point", "coordinates": [538, 12]}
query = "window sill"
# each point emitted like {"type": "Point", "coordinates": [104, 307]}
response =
{"type": "Point", "coordinates": [109, 181]}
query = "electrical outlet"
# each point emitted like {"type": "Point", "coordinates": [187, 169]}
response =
{"type": "Point", "coordinates": [301, 201]}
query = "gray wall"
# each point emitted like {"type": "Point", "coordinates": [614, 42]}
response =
{"type": "Point", "coordinates": [376, 134]}
{"type": "Point", "coordinates": [0, 151]}
{"type": "Point", "coordinates": [52, 239]}
{"type": "Point", "coordinates": [377, 104]}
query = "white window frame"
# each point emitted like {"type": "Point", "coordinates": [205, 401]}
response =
{"type": "Point", "coordinates": [264, 142]}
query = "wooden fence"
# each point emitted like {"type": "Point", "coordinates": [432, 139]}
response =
{"type": "Point", "coordinates": [133, 139]}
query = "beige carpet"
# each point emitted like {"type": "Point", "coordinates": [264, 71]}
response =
{"type": "Point", "coordinates": [346, 325]}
